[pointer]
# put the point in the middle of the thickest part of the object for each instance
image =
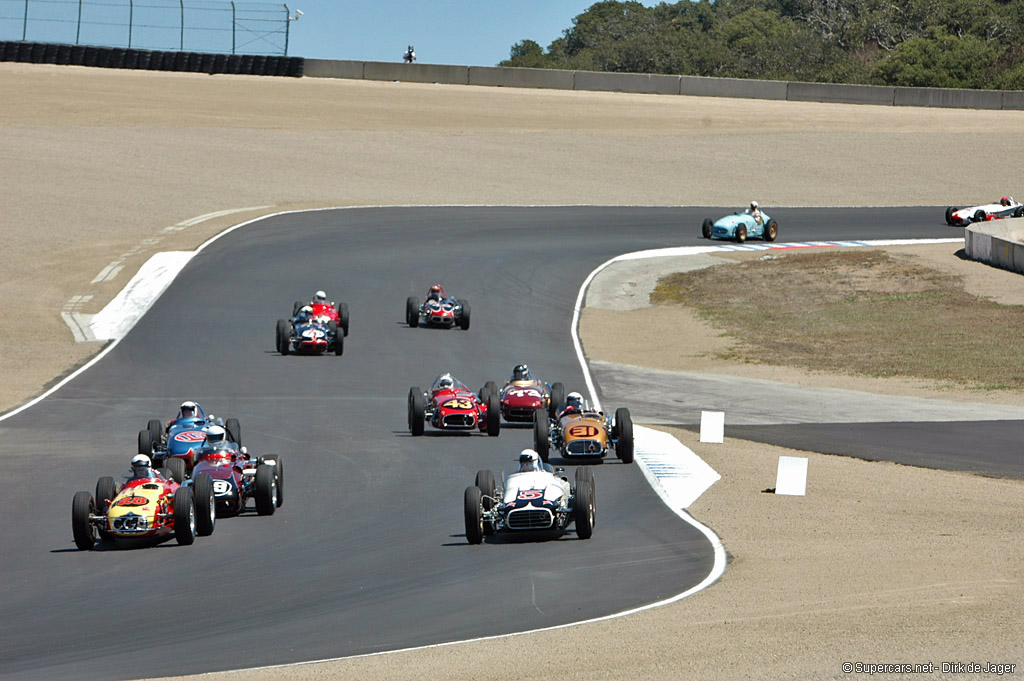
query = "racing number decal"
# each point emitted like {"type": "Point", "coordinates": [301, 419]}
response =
{"type": "Point", "coordinates": [459, 403]}
{"type": "Point", "coordinates": [221, 487]}
{"type": "Point", "coordinates": [190, 436]}
{"type": "Point", "coordinates": [524, 392]}
{"type": "Point", "coordinates": [530, 494]}
{"type": "Point", "coordinates": [584, 431]}
{"type": "Point", "coordinates": [132, 501]}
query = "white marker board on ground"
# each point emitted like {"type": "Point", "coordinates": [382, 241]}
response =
{"type": "Point", "coordinates": [712, 426]}
{"type": "Point", "coordinates": [792, 476]}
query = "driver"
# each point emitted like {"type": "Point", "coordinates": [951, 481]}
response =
{"type": "Point", "coordinates": [187, 410]}
{"type": "Point", "coordinates": [446, 382]}
{"type": "Point", "coordinates": [436, 292]}
{"type": "Point", "coordinates": [216, 437]}
{"type": "Point", "coordinates": [529, 461]}
{"type": "Point", "coordinates": [304, 315]}
{"type": "Point", "coordinates": [754, 211]}
{"type": "Point", "coordinates": [573, 405]}
{"type": "Point", "coordinates": [319, 298]}
{"type": "Point", "coordinates": [1006, 201]}
{"type": "Point", "coordinates": [142, 467]}
{"type": "Point", "coordinates": [521, 372]}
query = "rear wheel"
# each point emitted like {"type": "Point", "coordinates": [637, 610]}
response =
{"type": "Point", "coordinates": [624, 435]}
{"type": "Point", "coordinates": [106, 490]}
{"type": "Point", "coordinates": [206, 505]}
{"type": "Point", "coordinates": [949, 216]}
{"type": "Point", "coordinates": [583, 510]}
{"type": "Point", "coordinates": [416, 409]}
{"type": "Point", "coordinates": [771, 230]}
{"type": "Point", "coordinates": [184, 516]}
{"type": "Point", "coordinates": [278, 466]}
{"type": "Point", "coordinates": [343, 318]}
{"type": "Point", "coordinates": [296, 306]}
{"type": "Point", "coordinates": [177, 468]}
{"type": "Point", "coordinates": [705, 229]}
{"type": "Point", "coordinates": [266, 490]}
{"type": "Point", "coordinates": [283, 335]}
{"type": "Point", "coordinates": [156, 429]}
{"type": "Point", "coordinates": [741, 233]}
{"type": "Point", "coordinates": [557, 399]}
{"type": "Point", "coordinates": [474, 515]}
{"type": "Point", "coordinates": [412, 312]}
{"type": "Point", "coordinates": [541, 428]}
{"type": "Point", "coordinates": [82, 506]}
{"type": "Point", "coordinates": [234, 429]}
{"type": "Point", "coordinates": [145, 442]}
{"type": "Point", "coordinates": [493, 415]}
{"type": "Point", "coordinates": [464, 318]}
{"type": "Point", "coordinates": [1019, 213]}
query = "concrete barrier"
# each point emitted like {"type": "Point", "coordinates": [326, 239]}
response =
{"type": "Point", "coordinates": [333, 68]}
{"type": "Point", "coordinates": [840, 93]}
{"type": "Point", "coordinates": [999, 243]}
{"type": "Point", "coordinates": [499, 76]}
{"type": "Point", "coordinates": [644, 83]}
{"type": "Point", "coordinates": [943, 97]}
{"type": "Point", "coordinates": [1013, 100]}
{"type": "Point", "coordinates": [732, 87]}
{"type": "Point", "coordinates": [416, 73]}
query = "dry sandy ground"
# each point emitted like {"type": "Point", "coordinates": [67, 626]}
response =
{"type": "Point", "coordinates": [879, 563]}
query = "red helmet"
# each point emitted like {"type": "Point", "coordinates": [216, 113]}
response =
{"type": "Point", "coordinates": [1005, 201]}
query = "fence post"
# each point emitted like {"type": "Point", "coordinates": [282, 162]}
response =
{"type": "Point", "coordinates": [131, 20]}
{"type": "Point", "coordinates": [232, 26]}
{"type": "Point", "coordinates": [78, 29]}
{"type": "Point", "coordinates": [287, 27]}
{"type": "Point", "coordinates": [181, 46]}
{"type": "Point", "coordinates": [24, 24]}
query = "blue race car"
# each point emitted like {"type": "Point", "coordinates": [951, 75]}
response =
{"type": "Point", "coordinates": [182, 437]}
{"type": "Point", "coordinates": [740, 227]}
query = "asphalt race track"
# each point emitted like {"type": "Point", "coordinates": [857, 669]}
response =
{"type": "Point", "coordinates": [368, 553]}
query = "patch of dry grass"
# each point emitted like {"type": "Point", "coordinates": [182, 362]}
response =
{"type": "Point", "coordinates": [856, 311]}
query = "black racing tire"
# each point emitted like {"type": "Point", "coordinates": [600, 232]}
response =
{"type": "Point", "coordinates": [979, 216]}
{"type": "Point", "coordinates": [473, 511]}
{"type": "Point", "coordinates": [587, 474]}
{"type": "Point", "coordinates": [483, 394]}
{"type": "Point", "coordinates": [106, 490]}
{"type": "Point", "coordinates": [623, 435]}
{"type": "Point", "coordinates": [1019, 213]}
{"type": "Point", "coordinates": [184, 516]}
{"type": "Point", "coordinates": [145, 442]}
{"type": "Point", "coordinates": [82, 528]}
{"type": "Point", "coordinates": [417, 407]}
{"type": "Point", "coordinates": [492, 388]}
{"type": "Point", "coordinates": [541, 431]}
{"type": "Point", "coordinates": [343, 317]}
{"type": "Point", "coordinates": [741, 234]}
{"type": "Point", "coordinates": [412, 312]}
{"type": "Point", "coordinates": [464, 317]}
{"type": "Point", "coordinates": [279, 474]}
{"type": "Point", "coordinates": [156, 427]}
{"type": "Point", "coordinates": [771, 230]}
{"type": "Point", "coordinates": [206, 504]}
{"type": "Point", "coordinates": [266, 490]}
{"type": "Point", "coordinates": [284, 333]}
{"type": "Point", "coordinates": [177, 468]}
{"type": "Point", "coordinates": [557, 399]}
{"type": "Point", "coordinates": [339, 338]}
{"type": "Point", "coordinates": [296, 306]}
{"type": "Point", "coordinates": [949, 216]}
{"type": "Point", "coordinates": [706, 228]}
{"type": "Point", "coordinates": [583, 510]}
{"type": "Point", "coordinates": [234, 429]}
{"type": "Point", "coordinates": [493, 415]}
{"type": "Point", "coordinates": [488, 487]}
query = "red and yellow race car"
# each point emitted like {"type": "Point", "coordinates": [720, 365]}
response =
{"type": "Point", "coordinates": [148, 508]}
{"type": "Point", "coordinates": [579, 431]}
{"type": "Point", "coordinates": [450, 405]}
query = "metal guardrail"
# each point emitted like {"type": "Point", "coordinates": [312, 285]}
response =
{"type": "Point", "coordinates": [213, 26]}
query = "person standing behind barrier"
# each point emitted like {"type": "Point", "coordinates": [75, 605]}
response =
{"type": "Point", "coordinates": [409, 56]}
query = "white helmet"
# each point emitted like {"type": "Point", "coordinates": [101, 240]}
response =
{"type": "Point", "coordinates": [574, 397]}
{"type": "Point", "coordinates": [188, 404]}
{"type": "Point", "coordinates": [307, 309]}
{"type": "Point", "coordinates": [320, 297]}
{"type": "Point", "coordinates": [215, 434]}
{"type": "Point", "coordinates": [529, 460]}
{"type": "Point", "coordinates": [753, 204]}
{"type": "Point", "coordinates": [141, 461]}
{"type": "Point", "coordinates": [446, 382]}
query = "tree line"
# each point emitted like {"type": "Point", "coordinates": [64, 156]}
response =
{"type": "Point", "coordinates": [975, 44]}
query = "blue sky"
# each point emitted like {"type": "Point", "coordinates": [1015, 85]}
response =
{"type": "Point", "coordinates": [473, 32]}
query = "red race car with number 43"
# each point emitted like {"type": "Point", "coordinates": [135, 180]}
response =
{"type": "Point", "coordinates": [450, 405]}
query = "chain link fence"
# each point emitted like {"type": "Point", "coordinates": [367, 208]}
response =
{"type": "Point", "coordinates": [210, 26]}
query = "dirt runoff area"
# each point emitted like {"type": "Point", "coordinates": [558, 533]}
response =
{"type": "Point", "coordinates": [878, 564]}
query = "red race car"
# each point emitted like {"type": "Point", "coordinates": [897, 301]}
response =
{"type": "Point", "coordinates": [238, 477]}
{"type": "Point", "coordinates": [325, 309]}
{"type": "Point", "coordinates": [450, 405]}
{"type": "Point", "coordinates": [522, 395]}
{"type": "Point", "coordinates": [439, 309]}
{"type": "Point", "coordinates": [147, 509]}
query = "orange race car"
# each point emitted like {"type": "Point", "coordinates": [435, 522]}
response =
{"type": "Point", "coordinates": [579, 431]}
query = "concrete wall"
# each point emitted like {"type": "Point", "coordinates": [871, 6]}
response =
{"type": "Point", "coordinates": [999, 243]}
{"type": "Point", "coordinates": [644, 83]}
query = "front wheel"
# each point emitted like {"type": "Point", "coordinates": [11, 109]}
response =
{"type": "Point", "coordinates": [412, 312]}
{"type": "Point", "coordinates": [106, 490]}
{"type": "Point", "coordinates": [278, 466]}
{"type": "Point", "coordinates": [493, 415]}
{"type": "Point", "coordinates": [177, 468]}
{"type": "Point", "coordinates": [741, 234]}
{"type": "Point", "coordinates": [464, 317]}
{"type": "Point", "coordinates": [705, 229]}
{"type": "Point", "coordinates": [474, 515]}
{"type": "Point", "coordinates": [979, 216]}
{"type": "Point", "coordinates": [771, 230]}
{"type": "Point", "coordinates": [145, 442]}
{"type": "Point", "coordinates": [283, 336]}
{"type": "Point", "coordinates": [417, 407]}
{"type": "Point", "coordinates": [234, 428]}
{"type": "Point", "coordinates": [82, 506]}
{"type": "Point", "coordinates": [184, 516]}
{"type": "Point", "coordinates": [949, 216]}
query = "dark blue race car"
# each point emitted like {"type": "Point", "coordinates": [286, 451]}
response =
{"type": "Point", "coordinates": [182, 437]}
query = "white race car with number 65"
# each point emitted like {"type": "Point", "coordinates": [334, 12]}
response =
{"type": "Point", "coordinates": [533, 497]}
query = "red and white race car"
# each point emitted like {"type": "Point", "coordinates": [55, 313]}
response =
{"type": "Point", "coordinates": [439, 309]}
{"type": "Point", "coordinates": [450, 405]}
{"type": "Point", "coordinates": [1006, 207]}
{"type": "Point", "coordinates": [325, 310]}
{"type": "Point", "coordinates": [522, 395]}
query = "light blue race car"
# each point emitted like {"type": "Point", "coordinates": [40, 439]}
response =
{"type": "Point", "coordinates": [740, 227]}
